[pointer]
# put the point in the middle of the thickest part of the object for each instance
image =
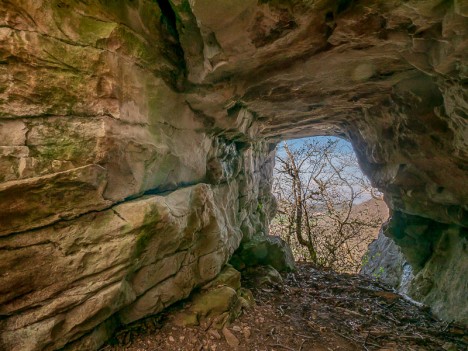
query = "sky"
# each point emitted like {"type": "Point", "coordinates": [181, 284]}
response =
{"type": "Point", "coordinates": [343, 145]}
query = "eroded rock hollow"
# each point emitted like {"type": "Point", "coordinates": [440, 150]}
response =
{"type": "Point", "coordinates": [137, 142]}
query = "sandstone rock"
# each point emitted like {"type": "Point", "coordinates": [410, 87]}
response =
{"type": "Point", "coordinates": [247, 296]}
{"type": "Point", "coordinates": [184, 319]}
{"type": "Point", "coordinates": [264, 250]}
{"type": "Point", "coordinates": [433, 285]}
{"type": "Point", "coordinates": [13, 133]}
{"type": "Point", "coordinates": [137, 146]}
{"type": "Point", "coordinates": [156, 232]}
{"type": "Point", "coordinates": [227, 277]}
{"type": "Point", "coordinates": [214, 333]}
{"type": "Point", "coordinates": [247, 333]}
{"type": "Point", "coordinates": [35, 202]}
{"type": "Point", "coordinates": [384, 261]}
{"type": "Point", "coordinates": [231, 339]}
{"type": "Point", "coordinates": [214, 302]}
{"type": "Point", "coordinates": [264, 276]}
{"type": "Point", "coordinates": [217, 303]}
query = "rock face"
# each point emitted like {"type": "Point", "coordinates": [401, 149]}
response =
{"type": "Point", "coordinates": [217, 303]}
{"type": "Point", "coordinates": [263, 251]}
{"type": "Point", "coordinates": [137, 142]}
{"type": "Point", "coordinates": [436, 282]}
{"type": "Point", "coordinates": [385, 262]}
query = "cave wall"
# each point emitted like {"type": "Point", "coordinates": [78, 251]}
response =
{"type": "Point", "coordinates": [137, 142]}
{"type": "Point", "coordinates": [116, 200]}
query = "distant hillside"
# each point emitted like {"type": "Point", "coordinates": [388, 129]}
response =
{"type": "Point", "coordinates": [372, 208]}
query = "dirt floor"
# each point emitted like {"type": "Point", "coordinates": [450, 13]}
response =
{"type": "Point", "coordinates": [312, 310]}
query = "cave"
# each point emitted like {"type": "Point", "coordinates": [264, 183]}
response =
{"type": "Point", "coordinates": [138, 139]}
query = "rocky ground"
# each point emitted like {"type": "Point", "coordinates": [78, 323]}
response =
{"type": "Point", "coordinates": [310, 310]}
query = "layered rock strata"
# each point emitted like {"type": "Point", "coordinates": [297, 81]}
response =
{"type": "Point", "coordinates": [137, 142]}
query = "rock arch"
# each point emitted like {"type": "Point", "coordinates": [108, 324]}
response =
{"type": "Point", "coordinates": [137, 140]}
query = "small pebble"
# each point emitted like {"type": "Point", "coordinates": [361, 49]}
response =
{"type": "Point", "coordinates": [214, 334]}
{"type": "Point", "coordinates": [246, 332]}
{"type": "Point", "coordinates": [230, 338]}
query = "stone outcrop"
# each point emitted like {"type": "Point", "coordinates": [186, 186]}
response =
{"type": "Point", "coordinates": [427, 275]}
{"type": "Point", "coordinates": [64, 280]}
{"type": "Point", "coordinates": [218, 303]}
{"type": "Point", "coordinates": [385, 262]}
{"type": "Point", "coordinates": [263, 251]}
{"type": "Point", "coordinates": [137, 142]}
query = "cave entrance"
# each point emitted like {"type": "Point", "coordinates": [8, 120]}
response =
{"type": "Point", "coordinates": [328, 212]}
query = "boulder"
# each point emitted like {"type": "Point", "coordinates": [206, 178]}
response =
{"type": "Point", "coordinates": [218, 302]}
{"type": "Point", "coordinates": [264, 250]}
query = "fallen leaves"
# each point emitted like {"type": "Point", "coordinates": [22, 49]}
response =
{"type": "Point", "coordinates": [312, 310]}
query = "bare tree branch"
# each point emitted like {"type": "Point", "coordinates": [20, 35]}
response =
{"type": "Point", "coordinates": [317, 187]}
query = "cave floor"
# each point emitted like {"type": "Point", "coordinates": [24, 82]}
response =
{"type": "Point", "coordinates": [313, 310]}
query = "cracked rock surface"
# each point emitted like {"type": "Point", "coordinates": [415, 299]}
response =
{"type": "Point", "coordinates": [137, 142]}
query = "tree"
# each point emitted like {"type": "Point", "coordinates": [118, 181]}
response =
{"type": "Point", "coordinates": [318, 186]}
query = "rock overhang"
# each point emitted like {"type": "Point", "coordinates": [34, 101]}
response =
{"type": "Point", "coordinates": [385, 76]}
{"type": "Point", "coordinates": [111, 102]}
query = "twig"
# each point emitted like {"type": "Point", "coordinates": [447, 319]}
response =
{"type": "Point", "coordinates": [389, 317]}
{"type": "Point", "coordinates": [281, 311]}
{"type": "Point", "coordinates": [302, 344]}
{"type": "Point", "coordinates": [283, 346]}
{"type": "Point", "coordinates": [411, 337]}
{"type": "Point", "coordinates": [354, 313]}
{"type": "Point", "coordinates": [356, 341]}
{"type": "Point", "coordinates": [346, 337]}
{"type": "Point", "coordinates": [446, 326]}
{"type": "Point", "coordinates": [304, 336]}
{"type": "Point", "coordinates": [367, 337]}
{"type": "Point", "coordinates": [413, 302]}
{"type": "Point", "coordinates": [391, 305]}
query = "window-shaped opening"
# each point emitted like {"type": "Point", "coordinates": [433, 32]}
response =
{"type": "Point", "coordinates": [328, 211]}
